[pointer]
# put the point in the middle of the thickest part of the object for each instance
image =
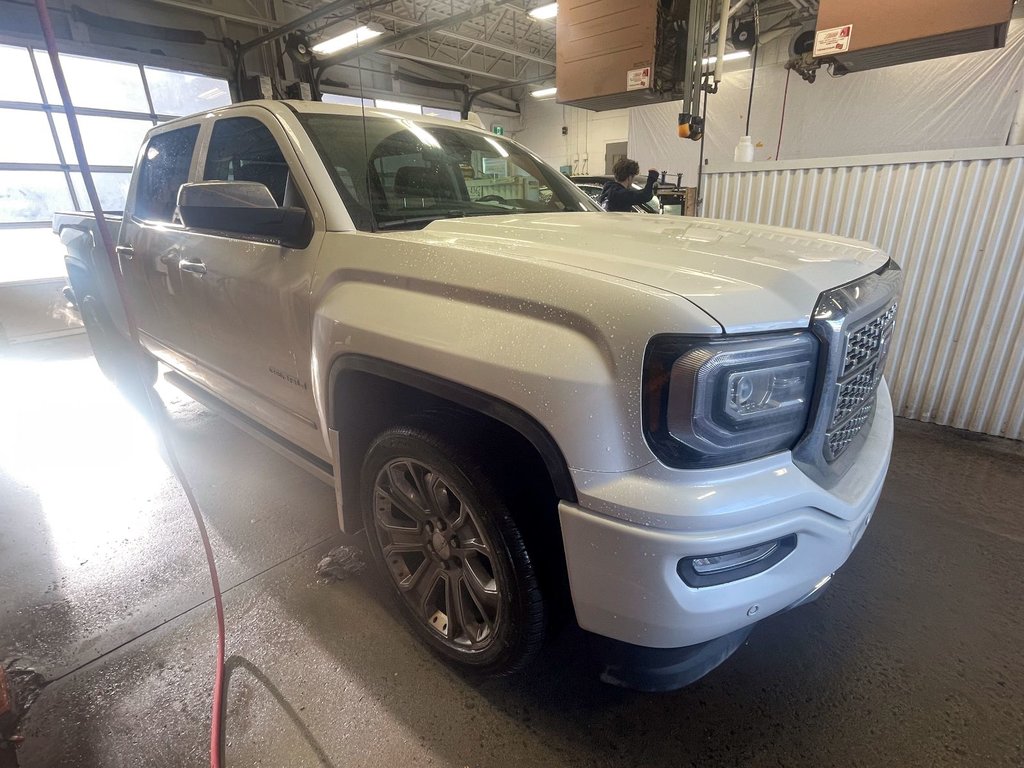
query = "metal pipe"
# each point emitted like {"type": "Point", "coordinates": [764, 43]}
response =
{"type": "Point", "coordinates": [775, 34]}
{"type": "Point", "coordinates": [445, 65]}
{"type": "Point", "coordinates": [696, 42]}
{"type": "Point", "coordinates": [469, 97]}
{"type": "Point", "coordinates": [302, 21]}
{"type": "Point", "coordinates": [723, 25]}
{"type": "Point", "coordinates": [207, 10]}
{"type": "Point", "coordinates": [736, 8]}
{"type": "Point", "coordinates": [753, 64]}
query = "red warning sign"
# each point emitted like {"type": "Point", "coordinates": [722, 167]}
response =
{"type": "Point", "coordinates": [637, 79]}
{"type": "Point", "coordinates": [828, 42]}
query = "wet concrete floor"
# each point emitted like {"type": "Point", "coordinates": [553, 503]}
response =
{"type": "Point", "coordinates": [912, 658]}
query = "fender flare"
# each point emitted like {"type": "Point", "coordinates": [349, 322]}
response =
{"type": "Point", "coordinates": [474, 400]}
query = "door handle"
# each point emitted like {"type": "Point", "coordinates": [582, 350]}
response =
{"type": "Point", "coordinates": [126, 252]}
{"type": "Point", "coordinates": [195, 267]}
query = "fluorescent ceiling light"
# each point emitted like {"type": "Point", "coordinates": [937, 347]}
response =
{"type": "Point", "coordinates": [548, 11]}
{"type": "Point", "coordinates": [731, 56]}
{"type": "Point", "coordinates": [399, 106]}
{"type": "Point", "coordinates": [544, 92]}
{"type": "Point", "coordinates": [347, 39]}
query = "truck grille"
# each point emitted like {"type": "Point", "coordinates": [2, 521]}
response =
{"type": "Point", "coordinates": [863, 362]}
{"type": "Point", "coordinates": [854, 393]}
{"type": "Point", "coordinates": [839, 439]}
{"type": "Point", "coordinates": [866, 342]}
{"type": "Point", "coordinates": [854, 323]}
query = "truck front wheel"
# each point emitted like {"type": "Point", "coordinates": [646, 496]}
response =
{"type": "Point", "coordinates": [444, 537]}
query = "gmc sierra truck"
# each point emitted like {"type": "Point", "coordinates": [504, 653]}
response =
{"type": "Point", "coordinates": [664, 428]}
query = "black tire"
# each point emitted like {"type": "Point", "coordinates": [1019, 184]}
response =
{"type": "Point", "coordinates": [414, 538]}
{"type": "Point", "coordinates": [130, 368]}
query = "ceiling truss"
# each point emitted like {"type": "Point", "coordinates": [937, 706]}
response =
{"type": "Point", "coordinates": [503, 44]}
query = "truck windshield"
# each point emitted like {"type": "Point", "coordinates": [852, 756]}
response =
{"type": "Point", "coordinates": [394, 172]}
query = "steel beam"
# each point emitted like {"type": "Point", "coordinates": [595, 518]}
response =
{"type": "Point", "coordinates": [422, 29]}
{"type": "Point", "coordinates": [445, 65]}
{"type": "Point", "coordinates": [319, 13]}
{"type": "Point", "coordinates": [479, 42]}
{"type": "Point", "coordinates": [207, 10]}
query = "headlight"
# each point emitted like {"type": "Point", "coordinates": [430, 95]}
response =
{"type": "Point", "coordinates": [714, 401]}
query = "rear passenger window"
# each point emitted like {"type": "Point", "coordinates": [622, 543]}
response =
{"type": "Point", "coordinates": [164, 169]}
{"type": "Point", "coordinates": [243, 149]}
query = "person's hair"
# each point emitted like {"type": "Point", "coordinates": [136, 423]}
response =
{"type": "Point", "coordinates": [625, 168]}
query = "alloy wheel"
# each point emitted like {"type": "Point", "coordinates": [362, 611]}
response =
{"type": "Point", "coordinates": [435, 549]}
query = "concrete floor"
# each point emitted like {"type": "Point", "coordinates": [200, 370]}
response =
{"type": "Point", "coordinates": [913, 657]}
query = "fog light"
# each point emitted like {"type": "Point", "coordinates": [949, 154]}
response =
{"type": "Point", "coordinates": [729, 560]}
{"type": "Point", "coordinates": [708, 570]}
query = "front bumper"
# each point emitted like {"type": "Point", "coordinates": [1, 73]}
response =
{"type": "Point", "coordinates": [622, 559]}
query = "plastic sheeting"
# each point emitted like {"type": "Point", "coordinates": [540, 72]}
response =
{"type": "Point", "coordinates": [953, 102]}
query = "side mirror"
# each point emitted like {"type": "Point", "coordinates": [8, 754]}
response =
{"type": "Point", "coordinates": [240, 207]}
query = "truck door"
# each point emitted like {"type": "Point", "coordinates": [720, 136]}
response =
{"type": "Point", "coordinates": [150, 244]}
{"type": "Point", "coordinates": [250, 297]}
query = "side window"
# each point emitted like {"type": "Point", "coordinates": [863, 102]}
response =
{"type": "Point", "coordinates": [243, 149]}
{"type": "Point", "coordinates": [164, 169]}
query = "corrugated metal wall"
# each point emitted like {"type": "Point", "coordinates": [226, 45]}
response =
{"type": "Point", "coordinates": [955, 223]}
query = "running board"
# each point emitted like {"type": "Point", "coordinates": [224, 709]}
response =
{"type": "Point", "coordinates": [298, 456]}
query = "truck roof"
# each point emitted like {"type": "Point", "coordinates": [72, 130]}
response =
{"type": "Point", "coordinates": [285, 106]}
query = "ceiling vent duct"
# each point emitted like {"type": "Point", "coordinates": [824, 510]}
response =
{"type": "Point", "coordinates": [623, 53]}
{"type": "Point", "coordinates": [867, 34]}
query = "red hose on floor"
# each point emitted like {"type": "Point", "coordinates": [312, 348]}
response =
{"type": "Point", "coordinates": [157, 410]}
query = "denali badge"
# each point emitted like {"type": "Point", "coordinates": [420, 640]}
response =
{"type": "Point", "coordinates": [289, 378]}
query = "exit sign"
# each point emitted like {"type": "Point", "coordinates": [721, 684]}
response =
{"type": "Point", "coordinates": [498, 130]}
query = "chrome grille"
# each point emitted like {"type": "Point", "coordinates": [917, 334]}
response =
{"type": "Point", "coordinates": [866, 341]}
{"type": "Point", "coordinates": [854, 393]}
{"type": "Point", "coordinates": [854, 323]}
{"type": "Point", "coordinates": [839, 439]}
{"type": "Point", "coordinates": [863, 361]}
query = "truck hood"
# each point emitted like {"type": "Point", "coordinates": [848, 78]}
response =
{"type": "Point", "coordinates": [748, 277]}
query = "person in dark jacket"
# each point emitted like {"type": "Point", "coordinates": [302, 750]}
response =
{"type": "Point", "coordinates": [619, 195]}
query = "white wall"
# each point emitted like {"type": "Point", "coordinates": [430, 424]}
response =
{"type": "Point", "coordinates": [583, 147]}
{"type": "Point", "coordinates": [949, 103]}
{"type": "Point", "coordinates": [963, 101]}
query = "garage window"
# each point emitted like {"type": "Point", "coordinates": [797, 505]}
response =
{"type": "Point", "coordinates": [184, 93]}
{"type": "Point", "coordinates": [117, 103]}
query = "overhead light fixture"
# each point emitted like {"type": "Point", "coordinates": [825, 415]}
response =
{"type": "Point", "coordinates": [548, 11]}
{"type": "Point", "coordinates": [731, 56]}
{"type": "Point", "coordinates": [347, 39]}
{"type": "Point", "coordinates": [399, 106]}
{"type": "Point", "coordinates": [544, 93]}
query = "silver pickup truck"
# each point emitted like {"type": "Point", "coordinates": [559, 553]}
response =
{"type": "Point", "coordinates": [664, 428]}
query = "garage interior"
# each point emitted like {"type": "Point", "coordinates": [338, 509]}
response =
{"type": "Point", "coordinates": [107, 623]}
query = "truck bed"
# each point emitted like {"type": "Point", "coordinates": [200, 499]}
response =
{"type": "Point", "coordinates": [86, 262]}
